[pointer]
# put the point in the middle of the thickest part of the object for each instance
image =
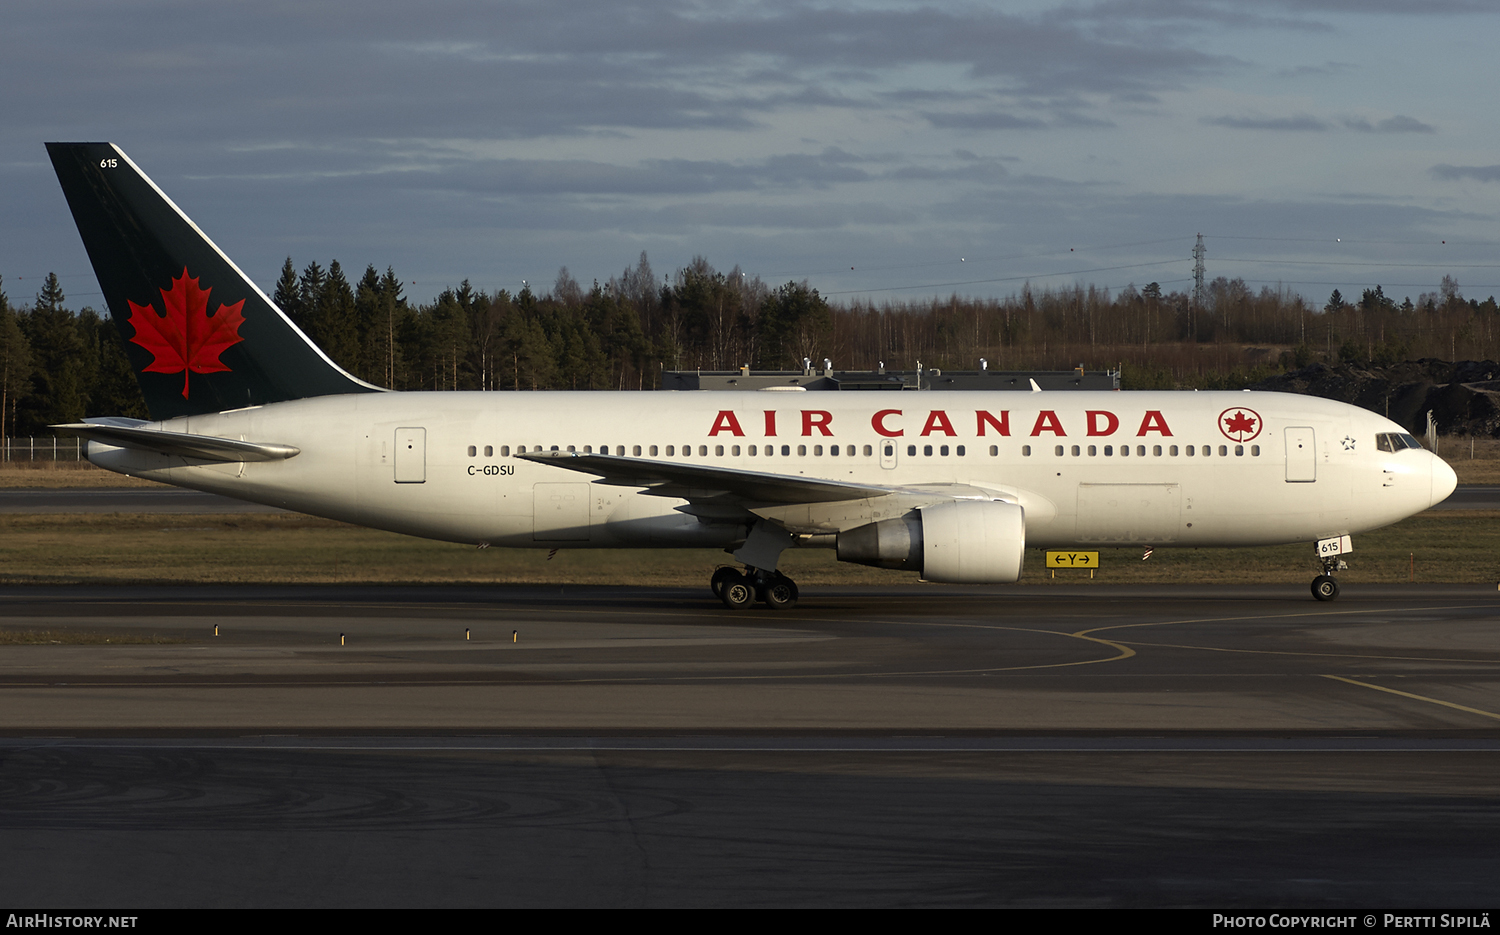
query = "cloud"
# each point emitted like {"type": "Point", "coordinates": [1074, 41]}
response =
{"type": "Point", "coordinates": [1299, 122]}
{"type": "Point", "coordinates": [1327, 68]}
{"type": "Point", "coordinates": [533, 70]}
{"type": "Point", "coordinates": [1477, 173]}
{"type": "Point", "coordinates": [1397, 124]}
{"type": "Point", "coordinates": [1273, 12]}
{"type": "Point", "coordinates": [992, 120]}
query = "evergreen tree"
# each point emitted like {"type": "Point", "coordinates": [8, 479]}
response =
{"type": "Point", "coordinates": [15, 366]}
{"type": "Point", "coordinates": [110, 386]}
{"type": "Point", "coordinates": [309, 291]}
{"type": "Point", "coordinates": [288, 297]}
{"type": "Point", "coordinates": [51, 297]}
{"type": "Point", "coordinates": [58, 359]}
{"type": "Point", "coordinates": [794, 324]}
{"type": "Point", "coordinates": [335, 327]}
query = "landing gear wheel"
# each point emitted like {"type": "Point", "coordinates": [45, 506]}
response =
{"type": "Point", "coordinates": [779, 592]}
{"type": "Point", "coordinates": [721, 575]}
{"type": "Point", "coordinates": [1325, 588]}
{"type": "Point", "coordinates": [736, 592]}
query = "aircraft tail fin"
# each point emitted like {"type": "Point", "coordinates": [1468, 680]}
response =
{"type": "Point", "coordinates": [200, 335]}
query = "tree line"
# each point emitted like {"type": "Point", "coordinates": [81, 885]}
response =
{"type": "Point", "coordinates": [59, 365]}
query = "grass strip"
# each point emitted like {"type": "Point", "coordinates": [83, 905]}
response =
{"type": "Point", "coordinates": [144, 548]}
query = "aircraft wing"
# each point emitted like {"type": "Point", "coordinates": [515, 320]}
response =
{"type": "Point", "coordinates": [179, 444]}
{"type": "Point", "coordinates": [698, 482]}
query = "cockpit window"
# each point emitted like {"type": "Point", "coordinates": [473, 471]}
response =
{"type": "Point", "coordinates": [1395, 441]}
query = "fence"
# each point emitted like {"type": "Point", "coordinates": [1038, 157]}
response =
{"type": "Point", "coordinates": [51, 448]}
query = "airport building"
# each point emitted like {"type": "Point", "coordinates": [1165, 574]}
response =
{"type": "Point", "coordinates": [811, 378]}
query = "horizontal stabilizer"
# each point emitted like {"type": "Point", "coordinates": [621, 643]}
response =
{"type": "Point", "coordinates": [180, 444]}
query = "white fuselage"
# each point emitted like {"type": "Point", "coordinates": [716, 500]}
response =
{"type": "Point", "coordinates": [1202, 469]}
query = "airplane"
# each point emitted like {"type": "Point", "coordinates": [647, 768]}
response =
{"type": "Point", "coordinates": [952, 485]}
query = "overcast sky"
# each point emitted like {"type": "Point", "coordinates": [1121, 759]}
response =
{"type": "Point", "coordinates": [885, 149]}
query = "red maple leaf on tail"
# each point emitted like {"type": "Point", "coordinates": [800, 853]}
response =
{"type": "Point", "coordinates": [187, 338]}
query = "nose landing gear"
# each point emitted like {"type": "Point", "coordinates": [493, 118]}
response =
{"type": "Point", "coordinates": [1325, 587]}
{"type": "Point", "coordinates": [738, 591]}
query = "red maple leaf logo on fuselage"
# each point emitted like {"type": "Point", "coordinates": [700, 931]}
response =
{"type": "Point", "coordinates": [1240, 424]}
{"type": "Point", "coordinates": [186, 338]}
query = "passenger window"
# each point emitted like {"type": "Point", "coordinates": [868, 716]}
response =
{"type": "Point", "coordinates": [801, 451]}
{"type": "Point", "coordinates": [869, 451]}
{"type": "Point", "coordinates": [1255, 451]}
{"type": "Point", "coordinates": [1025, 450]}
{"type": "Point", "coordinates": [703, 450]}
{"type": "Point", "coordinates": [927, 451]}
{"type": "Point", "coordinates": [719, 451]}
{"type": "Point", "coordinates": [786, 451]}
{"type": "Point", "coordinates": [1058, 451]}
{"type": "Point", "coordinates": [911, 451]}
{"type": "Point", "coordinates": [960, 451]}
{"type": "Point", "coordinates": [472, 451]}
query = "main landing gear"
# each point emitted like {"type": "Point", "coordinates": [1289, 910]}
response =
{"type": "Point", "coordinates": [1325, 587]}
{"type": "Point", "coordinates": [739, 590]}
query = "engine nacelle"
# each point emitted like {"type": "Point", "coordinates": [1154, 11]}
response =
{"type": "Point", "coordinates": [958, 542]}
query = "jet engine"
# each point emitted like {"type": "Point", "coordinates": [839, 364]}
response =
{"type": "Point", "coordinates": [958, 542]}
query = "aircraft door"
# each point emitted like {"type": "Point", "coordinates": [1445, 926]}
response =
{"type": "Point", "coordinates": [888, 453]}
{"type": "Point", "coordinates": [411, 456]}
{"type": "Point", "coordinates": [1301, 456]}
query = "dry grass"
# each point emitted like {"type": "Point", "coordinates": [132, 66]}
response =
{"type": "Point", "coordinates": [1474, 460]}
{"type": "Point", "coordinates": [75, 638]}
{"type": "Point", "coordinates": [47, 474]}
{"type": "Point", "coordinates": [293, 549]}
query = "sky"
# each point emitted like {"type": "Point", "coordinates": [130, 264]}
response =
{"type": "Point", "coordinates": [883, 150]}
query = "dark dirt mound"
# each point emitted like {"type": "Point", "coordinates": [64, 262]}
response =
{"type": "Point", "coordinates": [1464, 396]}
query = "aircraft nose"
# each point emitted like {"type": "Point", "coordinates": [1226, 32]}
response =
{"type": "Point", "coordinates": [1444, 481]}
